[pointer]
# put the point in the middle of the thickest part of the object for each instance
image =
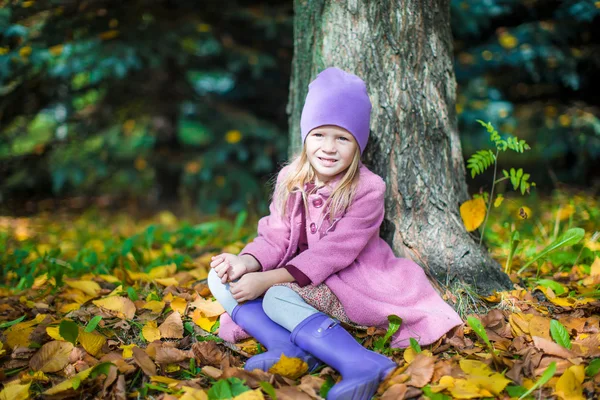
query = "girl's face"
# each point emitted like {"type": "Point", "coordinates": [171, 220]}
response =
{"type": "Point", "coordinates": [330, 150]}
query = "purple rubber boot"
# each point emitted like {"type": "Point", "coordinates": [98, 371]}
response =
{"type": "Point", "coordinates": [251, 317]}
{"type": "Point", "coordinates": [362, 370]}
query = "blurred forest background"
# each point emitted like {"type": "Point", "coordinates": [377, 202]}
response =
{"type": "Point", "coordinates": [184, 102]}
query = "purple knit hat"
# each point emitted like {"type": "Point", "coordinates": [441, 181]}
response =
{"type": "Point", "coordinates": [339, 98]}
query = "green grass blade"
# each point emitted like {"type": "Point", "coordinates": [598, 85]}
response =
{"type": "Point", "coordinates": [548, 373]}
{"type": "Point", "coordinates": [569, 238]}
{"type": "Point", "coordinates": [476, 325]}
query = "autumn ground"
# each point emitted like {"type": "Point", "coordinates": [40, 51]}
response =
{"type": "Point", "coordinates": [109, 305]}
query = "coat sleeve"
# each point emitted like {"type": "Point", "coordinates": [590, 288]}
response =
{"type": "Point", "coordinates": [340, 247]}
{"type": "Point", "coordinates": [273, 236]}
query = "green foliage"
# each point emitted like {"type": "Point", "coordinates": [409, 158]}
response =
{"type": "Point", "coordinates": [478, 328]}
{"type": "Point", "coordinates": [226, 389]}
{"type": "Point", "coordinates": [415, 345]}
{"type": "Point", "coordinates": [394, 324]}
{"type": "Point", "coordinates": [480, 161]}
{"type": "Point", "coordinates": [91, 326]}
{"type": "Point", "coordinates": [144, 98]}
{"type": "Point", "coordinates": [569, 238]}
{"type": "Point", "coordinates": [526, 65]}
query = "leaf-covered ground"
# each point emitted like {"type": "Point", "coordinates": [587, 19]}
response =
{"type": "Point", "coordinates": [104, 304]}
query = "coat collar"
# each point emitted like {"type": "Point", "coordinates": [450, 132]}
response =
{"type": "Point", "coordinates": [330, 186]}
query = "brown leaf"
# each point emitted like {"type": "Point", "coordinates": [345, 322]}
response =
{"type": "Point", "coordinates": [172, 327]}
{"type": "Point", "coordinates": [291, 393]}
{"type": "Point", "coordinates": [311, 385]}
{"type": "Point", "coordinates": [252, 379]}
{"type": "Point", "coordinates": [552, 348]}
{"type": "Point", "coordinates": [395, 392]}
{"type": "Point", "coordinates": [52, 357]}
{"type": "Point", "coordinates": [168, 355]}
{"type": "Point", "coordinates": [440, 369]}
{"type": "Point", "coordinates": [213, 372]}
{"type": "Point", "coordinates": [119, 391]}
{"type": "Point", "coordinates": [113, 373]}
{"type": "Point", "coordinates": [420, 370]}
{"type": "Point", "coordinates": [207, 353]}
{"type": "Point", "coordinates": [144, 361]}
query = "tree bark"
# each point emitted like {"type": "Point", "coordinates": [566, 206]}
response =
{"type": "Point", "coordinates": [403, 51]}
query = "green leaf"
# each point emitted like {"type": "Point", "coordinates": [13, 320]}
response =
{"type": "Point", "coordinates": [515, 239]}
{"type": "Point", "coordinates": [476, 325]}
{"type": "Point", "coordinates": [93, 324]}
{"type": "Point", "coordinates": [237, 386]}
{"type": "Point", "coordinates": [326, 387]}
{"type": "Point", "coordinates": [268, 389]}
{"type": "Point", "coordinates": [394, 324]}
{"type": "Point", "coordinates": [515, 391]}
{"type": "Point", "coordinates": [415, 345]}
{"type": "Point", "coordinates": [434, 396]}
{"type": "Point", "coordinates": [131, 293]}
{"type": "Point", "coordinates": [548, 373]}
{"type": "Point", "coordinates": [555, 286]}
{"type": "Point", "coordinates": [220, 391]}
{"type": "Point", "coordinates": [569, 238]}
{"type": "Point", "coordinates": [560, 334]}
{"type": "Point", "coordinates": [69, 330]}
{"type": "Point", "coordinates": [11, 323]}
{"type": "Point", "coordinates": [593, 367]}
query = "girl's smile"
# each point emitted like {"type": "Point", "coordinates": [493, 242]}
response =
{"type": "Point", "coordinates": [330, 150]}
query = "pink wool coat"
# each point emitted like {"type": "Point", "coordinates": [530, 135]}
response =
{"type": "Point", "coordinates": [357, 265]}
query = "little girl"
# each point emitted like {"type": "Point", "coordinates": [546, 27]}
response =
{"type": "Point", "coordinates": [318, 255]}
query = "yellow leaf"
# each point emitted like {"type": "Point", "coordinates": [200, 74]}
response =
{"type": "Point", "coordinates": [172, 327]}
{"type": "Point", "coordinates": [464, 389]}
{"type": "Point", "coordinates": [565, 213]}
{"type": "Point", "coordinates": [92, 342]}
{"type": "Point", "coordinates": [168, 298]}
{"type": "Point", "coordinates": [53, 332]}
{"type": "Point", "coordinates": [68, 383]}
{"type": "Point", "coordinates": [124, 307]}
{"type": "Point", "coordinates": [446, 382]}
{"type": "Point", "coordinates": [18, 335]}
{"type": "Point", "coordinates": [170, 368]}
{"type": "Point", "coordinates": [472, 213]}
{"type": "Point", "coordinates": [66, 308]}
{"type": "Point", "coordinates": [410, 354]}
{"type": "Point", "coordinates": [15, 391]}
{"type": "Point", "coordinates": [109, 278]}
{"type": "Point", "coordinates": [178, 304]}
{"type": "Point", "coordinates": [568, 386]}
{"type": "Point", "coordinates": [90, 288]}
{"type": "Point", "coordinates": [139, 276]}
{"type": "Point", "coordinates": [155, 306]}
{"type": "Point", "coordinates": [166, 380]}
{"type": "Point", "coordinates": [167, 281]}
{"type": "Point", "coordinates": [595, 268]}
{"type": "Point", "coordinates": [151, 332]}
{"type": "Point", "coordinates": [37, 376]}
{"type": "Point", "coordinates": [292, 368]}
{"type": "Point", "coordinates": [208, 308]}
{"type": "Point", "coordinates": [40, 281]}
{"type": "Point", "coordinates": [474, 367]}
{"type": "Point", "coordinates": [199, 273]}
{"type": "Point", "coordinates": [191, 393]}
{"type": "Point", "coordinates": [51, 357]}
{"type": "Point", "coordinates": [2, 351]}
{"type": "Point", "coordinates": [127, 350]}
{"type": "Point", "coordinates": [162, 272]}
{"type": "Point", "coordinates": [250, 395]}
{"type": "Point", "coordinates": [498, 201]}
{"type": "Point", "coordinates": [480, 375]}
{"type": "Point", "coordinates": [203, 322]}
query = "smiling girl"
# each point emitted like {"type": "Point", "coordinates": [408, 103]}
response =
{"type": "Point", "coordinates": [318, 258]}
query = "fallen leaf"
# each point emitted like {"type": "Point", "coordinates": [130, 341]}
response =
{"type": "Point", "coordinates": [568, 386]}
{"type": "Point", "coordinates": [178, 304]}
{"type": "Point", "coordinates": [292, 368]}
{"type": "Point", "coordinates": [151, 332]}
{"type": "Point", "coordinates": [155, 306]}
{"type": "Point", "coordinates": [15, 391]}
{"type": "Point", "coordinates": [127, 350]}
{"type": "Point", "coordinates": [208, 308]}
{"type": "Point", "coordinates": [51, 357]}
{"type": "Point", "coordinates": [250, 395]}
{"type": "Point", "coordinates": [90, 288]}
{"type": "Point", "coordinates": [420, 370]}
{"type": "Point", "coordinates": [190, 393]}
{"type": "Point", "coordinates": [395, 392]}
{"type": "Point", "coordinates": [124, 308]}
{"type": "Point", "coordinates": [172, 327]}
{"type": "Point", "coordinates": [202, 321]}
{"type": "Point", "coordinates": [144, 361]}
{"type": "Point", "coordinates": [207, 353]}
{"type": "Point", "coordinates": [167, 281]}
{"type": "Point", "coordinates": [168, 355]}
{"type": "Point", "coordinates": [92, 342]}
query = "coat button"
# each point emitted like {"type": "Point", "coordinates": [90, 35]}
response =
{"type": "Point", "coordinates": [313, 228]}
{"type": "Point", "coordinates": [318, 202]}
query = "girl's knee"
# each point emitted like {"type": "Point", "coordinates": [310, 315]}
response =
{"type": "Point", "coordinates": [272, 301]}
{"type": "Point", "coordinates": [214, 282]}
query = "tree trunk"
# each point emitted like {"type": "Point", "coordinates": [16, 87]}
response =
{"type": "Point", "coordinates": [403, 51]}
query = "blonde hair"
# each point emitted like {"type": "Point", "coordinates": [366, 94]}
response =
{"type": "Point", "coordinates": [302, 172]}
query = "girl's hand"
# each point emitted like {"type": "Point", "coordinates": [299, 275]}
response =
{"type": "Point", "coordinates": [250, 286]}
{"type": "Point", "coordinates": [228, 266]}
